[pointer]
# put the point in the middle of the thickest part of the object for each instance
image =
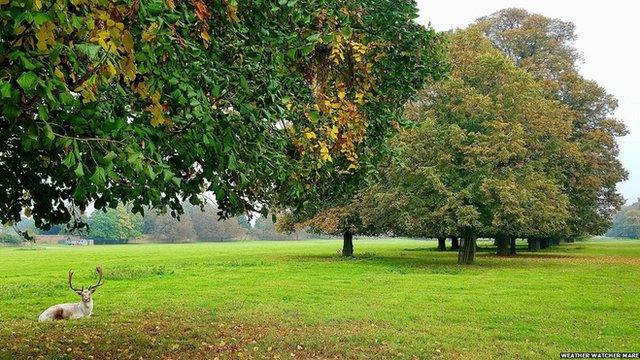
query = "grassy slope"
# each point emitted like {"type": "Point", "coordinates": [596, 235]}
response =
{"type": "Point", "coordinates": [399, 298]}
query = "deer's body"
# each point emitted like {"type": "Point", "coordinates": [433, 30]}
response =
{"type": "Point", "coordinates": [79, 310]}
{"type": "Point", "coordinates": [68, 311]}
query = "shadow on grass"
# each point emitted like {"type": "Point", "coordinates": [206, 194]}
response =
{"type": "Point", "coordinates": [438, 262]}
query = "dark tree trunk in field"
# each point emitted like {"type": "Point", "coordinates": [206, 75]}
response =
{"type": "Point", "coordinates": [502, 242]}
{"type": "Point", "coordinates": [347, 244]}
{"type": "Point", "coordinates": [512, 248]}
{"type": "Point", "coordinates": [455, 245]}
{"type": "Point", "coordinates": [534, 244]}
{"type": "Point", "coordinates": [442, 244]}
{"type": "Point", "coordinates": [467, 251]}
{"type": "Point", "coordinates": [544, 243]}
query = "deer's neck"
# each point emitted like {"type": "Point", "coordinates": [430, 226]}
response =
{"type": "Point", "coordinates": [86, 307]}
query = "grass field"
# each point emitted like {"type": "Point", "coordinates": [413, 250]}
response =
{"type": "Point", "coordinates": [397, 299]}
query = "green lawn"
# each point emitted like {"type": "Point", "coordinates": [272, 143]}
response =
{"type": "Point", "coordinates": [397, 299]}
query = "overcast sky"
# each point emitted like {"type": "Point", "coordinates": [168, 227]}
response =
{"type": "Point", "coordinates": [608, 38]}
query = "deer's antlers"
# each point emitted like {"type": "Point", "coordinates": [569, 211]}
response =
{"type": "Point", "coordinates": [93, 288]}
{"type": "Point", "coordinates": [70, 283]}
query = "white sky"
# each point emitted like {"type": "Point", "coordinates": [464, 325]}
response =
{"type": "Point", "coordinates": [608, 38]}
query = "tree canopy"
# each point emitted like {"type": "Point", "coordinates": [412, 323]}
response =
{"type": "Point", "coordinates": [152, 102]}
{"type": "Point", "coordinates": [514, 143]}
{"type": "Point", "coordinates": [544, 48]}
{"type": "Point", "coordinates": [479, 161]}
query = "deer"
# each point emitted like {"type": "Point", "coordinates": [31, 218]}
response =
{"type": "Point", "coordinates": [79, 310]}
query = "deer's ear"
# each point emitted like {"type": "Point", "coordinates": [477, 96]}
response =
{"type": "Point", "coordinates": [79, 293]}
{"type": "Point", "coordinates": [93, 290]}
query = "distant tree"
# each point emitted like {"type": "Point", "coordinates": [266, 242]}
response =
{"type": "Point", "coordinates": [165, 228]}
{"type": "Point", "coordinates": [114, 226]}
{"type": "Point", "coordinates": [626, 223]}
{"type": "Point", "coordinates": [544, 48]}
{"type": "Point", "coordinates": [209, 227]}
{"type": "Point", "coordinates": [11, 239]}
{"type": "Point", "coordinates": [55, 230]}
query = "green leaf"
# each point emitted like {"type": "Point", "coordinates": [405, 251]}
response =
{"type": "Point", "coordinates": [233, 164]}
{"type": "Point", "coordinates": [69, 160]}
{"type": "Point", "coordinates": [313, 38]}
{"type": "Point", "coordinates": [90, 50]}
{"type": "Point", "coordinates": [347, 32]}
{"type": "Point", "coordinates": [79, 170]}
{"type": "Point", "coordinates": [167, 175]}
{"type": "Point", "coordinates": [5, 89]}
{"type": "Point", "coordinates": [152, 175]}
{"type": "Point", "coordinates": [291, 54]}
{"type": "Point", "coordinates": [110, 156]}
{"type": "Point", "coordinates": [43, 113]}
{"type": "Point", "coordinates": [99, 176]}
{"type": "Point", "coordinates": [32, 131]}
{"type": "Point", "coordinates": [28, 81]}
{"type": "Point", "coordinates": [306, 50]}
{"type": "Point", "coordinates": [48, 132]}
{"type": "Point", "coordinates": [314, 116]}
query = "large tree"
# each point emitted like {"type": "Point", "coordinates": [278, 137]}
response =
{"type": "Point", "coordinates": [544, 48]}
{"type": "Point", "coordinates": [479, 160]}
{"type": "Point", "coordinates": [150, 102]}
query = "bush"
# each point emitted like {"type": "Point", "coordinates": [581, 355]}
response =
{"type": "Point", "coordinates": [9, 239]}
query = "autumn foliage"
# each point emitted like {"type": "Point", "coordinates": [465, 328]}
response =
{"type": "Point", "coordinates": [513, 144]}
{"type": "Point", "coordinates": [151, 102]}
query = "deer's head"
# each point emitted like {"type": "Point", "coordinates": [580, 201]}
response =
{"type": "Point", "coordinates": [85, 294]}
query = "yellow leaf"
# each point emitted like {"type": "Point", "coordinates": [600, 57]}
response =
{"type": "Point", "coordinates": [129, 68]}
{"type": "Point", "coordinates": [58, 74]}
{"type": "Point", "coordinates": [111, 68]}
{"type": "Point", "coordinates": [232, 13]}
{"type": "Point", "coordinates": [44, 34]}
{"type": "Point", "coordinates": [37, 4]}
{"type": "Point", "coordinates": [324, 153]}
{"type": "Point", "coordinates": [171, 5]}
{"type": "Point", "coordinates": [204, 33]}
{"type": "Point", "coordinates": [150, 33]}
{"type": "Point", "coordinates": [310, 135]}
{"type": "Point", "coordinates": [156, 110]}
{"type": "Point", "coordinates": [333, 132]}
{"type": "Point", "coordinates": [127, 41]}
{"type": "Point", "coordinates": [341, 94]}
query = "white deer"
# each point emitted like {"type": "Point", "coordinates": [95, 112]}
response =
{"type": "Point", "coordinates": [74, 310]}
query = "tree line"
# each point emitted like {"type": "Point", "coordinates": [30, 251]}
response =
{"type": "Point", "coordinates": [626, 223]}
{"type": "Point", "coordinates": [121, 226]}
{"type": "Point", "coordinates": [515, 143]}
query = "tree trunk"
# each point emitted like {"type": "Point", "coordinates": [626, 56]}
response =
{"type": "Point", "coordinates": [347, 244]}
{"type": "Point", "coordinates": [544, 243]}
{"type": "Point", "coordinates": [512, 248]}
{"type": "Point", "coordinates": [467, 251]}
{"type": "Point", "coordinates": [534, 244]}
{"type": "Point", "coordinates": [455, 245]}
{"type": "Point", "coordinates": [442, 244]}
{"type": "Point", "coordinates": [502, 242]}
